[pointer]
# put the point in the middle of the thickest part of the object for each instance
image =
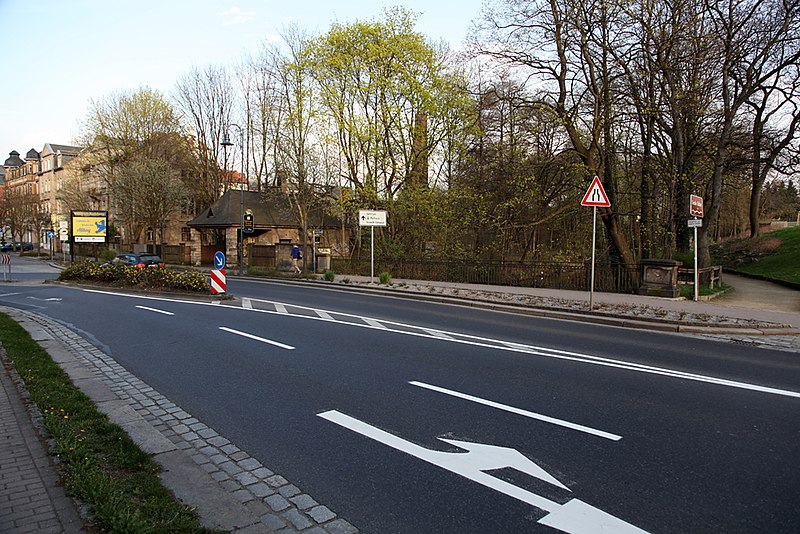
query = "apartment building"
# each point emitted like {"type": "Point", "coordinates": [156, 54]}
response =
{"type": "Point", "coordinates": [38, 179]}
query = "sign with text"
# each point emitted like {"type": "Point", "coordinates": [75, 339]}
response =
{"type": "Point", "coordinates": [371, 218]}
{"type": "Point", "coordinates": [89, 226]}
{"type": "Point", "coordinates": [695, 206]}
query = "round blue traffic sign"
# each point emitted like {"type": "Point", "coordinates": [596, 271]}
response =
{"type": "Point", "coordinates": [219, 260]}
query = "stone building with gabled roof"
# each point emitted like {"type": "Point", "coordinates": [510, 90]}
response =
{"type": "Point", "coordinates": [275, 223]}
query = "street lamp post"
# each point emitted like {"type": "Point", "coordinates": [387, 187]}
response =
{"type": "Point", "coordinates": [226, 142]}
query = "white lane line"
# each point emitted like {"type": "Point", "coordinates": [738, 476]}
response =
{"type": "Point", "coordinates": [155, 310]}
{"type": "Point", "coordinates": [257, 338]}
{"type": "Point", "coordinates": [280, 308]}
{"type": "Point", "coordinates": [373, 323]}
{"type": "Point", "coordinates": [520, 411]}
{"type": "Point", "coordinates": [247, 304]}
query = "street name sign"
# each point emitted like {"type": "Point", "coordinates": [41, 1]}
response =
{"type": "Point", "coordinates": [695, 223]}
{"type": "Point", "coordinates": [371, 218]}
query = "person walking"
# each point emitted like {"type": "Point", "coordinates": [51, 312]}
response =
{"type": "Point", "coordinates": [297, 255]}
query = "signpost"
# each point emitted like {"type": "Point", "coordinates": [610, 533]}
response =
{"type": "Point", "coordinates": [596, 198]}
{"type": "Point", "coordinates": [50, 236]}
{"type": "Point", "coordinates": [6, 260]}
{"type": "Point", "coordinates": [696, 210]}
{"type": "Point", "coordinates": [371, 219]}
{"type": "Point", "coordinates": [218, 282]}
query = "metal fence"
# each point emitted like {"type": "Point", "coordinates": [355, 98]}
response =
{"type": "Point", "coordinates": [550, 275]}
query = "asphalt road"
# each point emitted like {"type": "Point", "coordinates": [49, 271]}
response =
{"type": "Point", "coordinates": [350, 397]}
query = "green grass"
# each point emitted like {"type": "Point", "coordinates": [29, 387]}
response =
{"type": "Point", "coordinates": [773, 256]}
{"type": "Point", "coordinates": [103, 467]}
{"type": "Point", "coordinates": [687, 290]}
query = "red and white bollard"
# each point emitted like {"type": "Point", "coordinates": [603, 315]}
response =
{"type": "Point", "coordinates": [217, 281]}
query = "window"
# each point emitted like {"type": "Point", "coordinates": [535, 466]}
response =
{"type": "Point", "coordinates": [186, 234]}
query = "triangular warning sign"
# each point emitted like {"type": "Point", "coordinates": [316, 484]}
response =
{"type": "Point", "coordinates": [596, 195]}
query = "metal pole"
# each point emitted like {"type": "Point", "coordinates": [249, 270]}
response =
{"type": "Point", "coordinates": [372, 254]}
{"type": "Point", "coordinates": [696, 273]}
{"type": "Point", "coordinates": [241, 209]}
{"type": "Point", "coordinates": [594, 234]}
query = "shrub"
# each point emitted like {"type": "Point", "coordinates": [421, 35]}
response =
{"type": "Point", "coordinates": [329, 275]}
{"type": "Point", "coordinates": [385, 278]}
{"type": "Point", "coordinates": [148, 278]}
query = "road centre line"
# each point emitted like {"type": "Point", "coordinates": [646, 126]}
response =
{"type": "Point", "coordinates": [519, 411]}
{"type": "Point", "coordinates": [325, 315]}
{"type": "Point", "coordinates": [257, 338]}
{"type": "Point", "coordinates": [247, 304]}
{"type": "Point", "coordinates": [280, 308]}
{"type": "Point", "coordinates": [155, 310]}
{"type": "Point", "coordinates": [477, 341]}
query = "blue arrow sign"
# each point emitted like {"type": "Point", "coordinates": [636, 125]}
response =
{"type": "Point", "coordinates": [219, 260]}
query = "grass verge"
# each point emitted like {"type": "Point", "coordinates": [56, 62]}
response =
{"type": "Point", "coordinates": [103, 467]}
{"type": "Point", "coordinates": [772, 256]}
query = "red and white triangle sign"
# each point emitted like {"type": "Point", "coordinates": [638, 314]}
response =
{"type": "Point", "coordinates": [596, 195]}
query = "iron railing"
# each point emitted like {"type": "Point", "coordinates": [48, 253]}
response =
{"type": "Point", "coordinates": [542, 274]}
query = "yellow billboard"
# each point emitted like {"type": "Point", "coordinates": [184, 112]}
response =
{"type": "Point", "coordinates": [89, 226]}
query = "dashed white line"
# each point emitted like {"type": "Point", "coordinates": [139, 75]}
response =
{"type": "Point", "coordinates": [257, 338]}
{"type": "Point", "coordinates": [519, 411]}
{"type": "Point", "coordinates": [155, 310]}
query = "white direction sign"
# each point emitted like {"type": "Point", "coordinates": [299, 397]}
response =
{"type": "Point", "coordinates": [574, 517]}
{"type": "Point", "coordinates": [694, 223]}
{"type": "Point", "coordinates": [371, 218]}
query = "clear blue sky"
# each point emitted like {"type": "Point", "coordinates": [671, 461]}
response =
{"type": "Point", "coordinates": [58, 55]}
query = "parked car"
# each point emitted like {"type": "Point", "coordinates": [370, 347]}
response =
{"type": "Point", "coordinates": [13, 247]}
{"type": "Point", "coordinates": [136, 260]}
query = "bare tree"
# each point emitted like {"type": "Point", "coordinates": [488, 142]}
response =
{"type": "Point", "coordinates": [206, 99]}
{"type": "Point", "coordinates": [148, 192]}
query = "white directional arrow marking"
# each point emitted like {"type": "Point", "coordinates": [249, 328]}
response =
{"type": "Point", "coordinates": [574, 517]}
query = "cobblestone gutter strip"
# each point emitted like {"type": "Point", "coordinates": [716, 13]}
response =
{"type": "Point", "coordinates": [278, 505]}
